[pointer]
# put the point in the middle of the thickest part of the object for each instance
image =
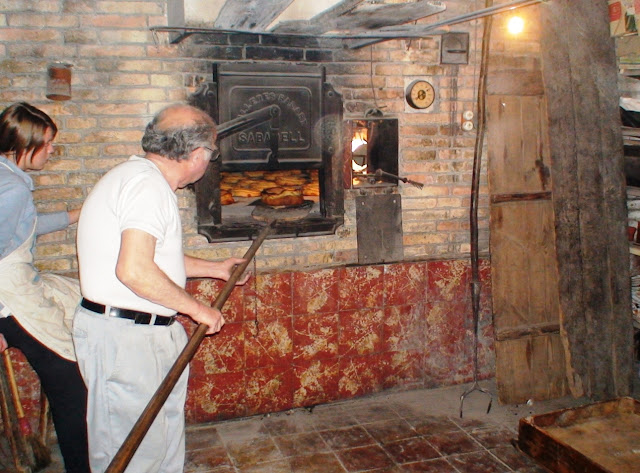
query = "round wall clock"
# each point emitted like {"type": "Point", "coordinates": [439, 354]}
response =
{"type": "Point", "coordinates": [420, 94]}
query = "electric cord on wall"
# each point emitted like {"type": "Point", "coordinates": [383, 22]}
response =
{"type": "Point", "coordinates": [473, 213]}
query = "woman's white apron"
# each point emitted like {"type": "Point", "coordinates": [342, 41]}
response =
{"type": "Point", "coordinates": [44, 304]}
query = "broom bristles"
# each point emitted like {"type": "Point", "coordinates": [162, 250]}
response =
{"type": "Point", "coordinates": [41, 454]}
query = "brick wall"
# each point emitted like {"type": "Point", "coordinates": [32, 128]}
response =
{"type": "Point", "coordinates": [122, 75]}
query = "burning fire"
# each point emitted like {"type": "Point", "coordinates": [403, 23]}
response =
{"type": "Point", "coordinates": [359, 151]}
{"type": "Point", "coordinates": [359, 139]}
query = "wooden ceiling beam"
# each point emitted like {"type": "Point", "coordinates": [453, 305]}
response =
{"type": "Point", "coordinates": [313, 25]}
{"type": "Point", "coordinates": [345, 16]}
{"type": "Point", "coordinates": [250, 14]}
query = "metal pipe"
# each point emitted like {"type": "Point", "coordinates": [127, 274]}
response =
{"type": "Point", "coordinates": [244, 122]}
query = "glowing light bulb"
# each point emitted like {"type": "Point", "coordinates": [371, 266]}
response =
{"type": "Point", "coordinates": [515, 25]}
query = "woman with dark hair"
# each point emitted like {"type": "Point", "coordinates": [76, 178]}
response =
{"type": "Point", "coordinates": [36, 310]}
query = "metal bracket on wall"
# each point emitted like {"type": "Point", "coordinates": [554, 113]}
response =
{"type": "Point", "coordinates": [454, 48]}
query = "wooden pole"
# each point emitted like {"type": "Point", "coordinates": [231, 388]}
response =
{"type": "Point", "coordinates": [140, 428]}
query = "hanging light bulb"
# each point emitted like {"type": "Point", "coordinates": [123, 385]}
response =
{"type": "Point", "coordinates": [515, 25]}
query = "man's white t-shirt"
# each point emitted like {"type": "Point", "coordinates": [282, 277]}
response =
{"type": "Point", "coordinates": [132, 195]}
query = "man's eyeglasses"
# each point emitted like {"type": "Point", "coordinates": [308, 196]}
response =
{"type": "Point", "coordinates": [213, 153]}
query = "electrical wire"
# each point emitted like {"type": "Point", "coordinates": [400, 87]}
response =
{"type": "Point", "coordinates": [473, 212]}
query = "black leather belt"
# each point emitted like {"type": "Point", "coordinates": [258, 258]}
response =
{"type": "Point", "coordinates": [137, 317]}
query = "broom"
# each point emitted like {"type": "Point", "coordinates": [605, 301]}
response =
{"type": "Point", "coordinates": [20, 450]}
{"type": "Point", "coordinates": [41, 454]}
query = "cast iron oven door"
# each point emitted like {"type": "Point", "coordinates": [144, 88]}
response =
{"type": "Point", "coordinates": [307, 135]}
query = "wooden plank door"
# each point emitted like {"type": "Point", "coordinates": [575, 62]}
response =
{"type": "Point", "coordinates": [530, 361]}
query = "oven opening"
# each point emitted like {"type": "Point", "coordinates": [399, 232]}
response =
{"type": "Point", "coordinates": [282, 149]}
{"type": "Point", "coordinates": [371, 153]}
{"type": "Point", "coordinates": [241, 192]}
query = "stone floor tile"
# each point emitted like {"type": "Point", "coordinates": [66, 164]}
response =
{"type": "Point", "coordinates": [493, 437]}
{"type": "Point", "coordinates": [295, 444]}
{"type": "Point", "coordinates": [348, 437]}
{"type": "Point", "coordinates": [432, 466]}
{"type": "Point", "coordinates": [411, 450]}
{"type": "Point", "coordinates": [289, 422]}
{"type": "Point", "coordinates": [513, 457]}
{"type": "Point", "coordinates": [249, 453]}
{"type": "Point", "coordinates": [200, 437]}
{"type": "Point", "coordinates": [469, 424]}
{"type": "Point", "coordinates": [206, 459]}
{"type": "Point", "coordinates": [431, 425]}
{"type": "Point", "coordinates": [241, 430]}
{"type": "Point", "coordinates": [390, 430]}
{"type": "Point", "coordinates": [451, 443]}
{"type": "Point", "coordinates": [316, 463]}
{"type": "Point", "coordinates": [373, 412]}
{"type": "Point", "coordinates": [478, 462]}
{"type": "Point", "coordinates": [277, 466]}
{"type": "Point", "coordinates": [364, 458]}
{"type": "Point", "coordinates": [324, 419]}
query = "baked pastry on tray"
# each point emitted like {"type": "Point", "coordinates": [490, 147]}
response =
{"type": "Point", "coordinates": [226, 197]}
{"type": "Point", "coordinates": [282, 196]}
{"type": "Point", "coordinates": [245, 192]}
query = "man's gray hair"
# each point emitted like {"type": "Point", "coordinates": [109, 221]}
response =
{"type": "Point", "coordinates": [177, 141]}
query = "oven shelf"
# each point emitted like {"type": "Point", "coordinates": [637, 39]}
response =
{"type": "Point", "coordinates": [243, 230]}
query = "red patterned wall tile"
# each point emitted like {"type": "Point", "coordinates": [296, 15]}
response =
{"type": "Point", "coordinates": [449, 342]}
{"type": "Point", "coordinates": [360, 332]}
{"type": "Point", "coordinates": [268, 344]}
{"type": "Point", "coordinates": [316, 382]}
{"type": "Point", "coordinates": [207, 291]}
{"type": "Point", "coordinates": [360, 287]}
{"type": "Point", "coordinates": [449, 280]}
{"type": "Point", "coordinates": [222, 352]}
{"type": "Point", "coordinates": [315, 291]}
{"type": "Point", "coordinates": [399, 325]}
{"type": "Point", "coordinates": [359, 376]}
{"type": "Point", "coordinates": [401, 369]}
{"type": "Point", "coordinates": [404, 327]}
{"type": "Point", "coordinates": [216, 397]}
{"type": "Point", "coordinates": [269, 296]}
{"type": "Point", "coordinates": [269, 389]}
{"type": "Point", "coordinates": [315, 337]}
{"type": "Point", "coordinates": [404, 283]}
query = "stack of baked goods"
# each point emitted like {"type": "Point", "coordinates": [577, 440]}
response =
{"type": "Point", "coordinates": [282, 196]}
{"type": "Point", "coordinates": [291, 186]}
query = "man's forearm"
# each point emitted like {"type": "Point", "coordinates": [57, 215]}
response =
{"type": "Point", "coordinates": [202, 268]}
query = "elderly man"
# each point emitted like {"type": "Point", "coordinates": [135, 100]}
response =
{"type": "Point", "coordinates": [132, 274]}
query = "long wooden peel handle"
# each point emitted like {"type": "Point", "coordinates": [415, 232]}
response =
{"type": "Point", "coordinates": [140, 428]}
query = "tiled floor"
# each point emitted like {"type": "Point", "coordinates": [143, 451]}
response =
{"type": "Point", "coordinates": [417, 431]}
{"type": "Point", "coordinates": [404, 432]}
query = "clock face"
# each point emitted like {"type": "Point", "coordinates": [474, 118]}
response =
{"type": "Point", "coordinates": [420, 94]}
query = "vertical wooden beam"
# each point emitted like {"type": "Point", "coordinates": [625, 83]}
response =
{"type": "Point", "coordinates": [580, 76]}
